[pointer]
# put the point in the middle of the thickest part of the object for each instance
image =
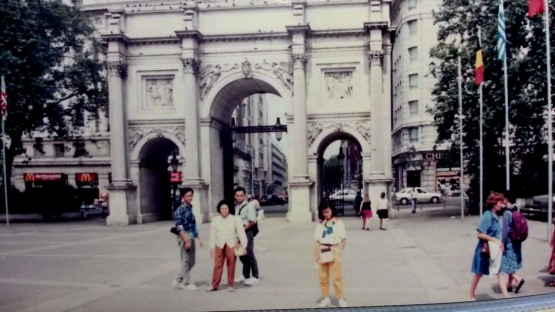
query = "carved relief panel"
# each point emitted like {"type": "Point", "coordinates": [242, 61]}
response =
{"type": "Point", "coordinates": [339, 85]}
{"type": "Point", "coordinates": [158, 92]}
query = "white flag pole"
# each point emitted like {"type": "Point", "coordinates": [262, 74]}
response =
{"type": "Point", "coordinates": [481, 136]}
{"type": "Point", "coordinates": [461, 180]}
{"type": "Point", "coordinates": [507, 151]}
{"type": "Point", "coordinates": [481, 153]}
{"type": "Point", "coordinates": [4, 160]}
{"type": "Point", "coordinates": [549, 126]}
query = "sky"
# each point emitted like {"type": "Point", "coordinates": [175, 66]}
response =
{"type": "Point", "coordinates": [277, 108]}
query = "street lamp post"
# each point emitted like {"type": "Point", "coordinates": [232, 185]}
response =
{"type": "Point", "coordinates": [360, 172]}
{"type": "Point", "coordinates": [174, 163]}
{"type": "Point", "coordinates": [341, 158]}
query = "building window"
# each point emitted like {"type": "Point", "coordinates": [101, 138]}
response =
{"type": "Point", "coordinates": [413, 54]}
{"type": "Point", "coordinates": [59, 150]}
{"type": "Point", "coordinates": [261, 141]}
{"type": "Point", "coordinates": [413, 27]}
{"type": "Point", "coordinates": [413, 135]}
{"type": "Point", "coordinates": [80, 150]}
{"type": "Point", "coordinates": [38, 147]}
{"type": "Point", "coordinates": [413, 81]}
{"type": "Point", "coordinates": [413, 107]}
{"type": "Point", "coordinates": [412, 4]}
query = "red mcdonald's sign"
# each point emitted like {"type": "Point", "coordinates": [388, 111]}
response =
{"type": "Point", "coordinates": [86, 177]}
{"type": "Point", "coordinates": [41, 177]}
{"type": "Point", "coordinates": [176, 177]}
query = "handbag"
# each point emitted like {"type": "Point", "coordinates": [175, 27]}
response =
{"type": "Point", "coordinates": [240, 250]}
{"type": "Point", "coordinates": [326, 255]}
{"type": "Point", "coordinates": [485, 248]}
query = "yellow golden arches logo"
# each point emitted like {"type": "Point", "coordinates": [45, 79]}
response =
{"type": "Point", "coordinates": [29, 177]}
{"type": "Point", "coordinates": [86, 177]}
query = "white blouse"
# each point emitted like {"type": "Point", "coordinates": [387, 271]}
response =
{"type": "Point", "coordinates": [330, 232]}
{"type": "Point", "coordinates": [382, 203]}
{"type": "Point", "coordinates": [226, 231]}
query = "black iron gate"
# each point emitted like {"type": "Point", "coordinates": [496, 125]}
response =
{"type": "Point", "coordinates": [332, 182]}
{"type": "Point", "coordinates": [226, 143]}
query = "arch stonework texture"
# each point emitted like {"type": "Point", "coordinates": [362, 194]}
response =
{"type": "Point", "coordinates": [182, 80]}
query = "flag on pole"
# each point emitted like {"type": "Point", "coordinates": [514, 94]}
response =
{"type": "Point", "coordinates": [535, 7]}
{"type": "Point", "coordinates": [501, 36]}
{"type": "Point", "coordinates": [479, 62]}
{"type": "Point", "coordinates": [3, 100]}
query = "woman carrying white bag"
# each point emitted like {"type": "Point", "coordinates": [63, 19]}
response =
{"type": "Point", "coordinates": [330, 239]}
{"type": "Point", "coordinates": [225, 230]}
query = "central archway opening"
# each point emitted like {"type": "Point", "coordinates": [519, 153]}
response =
{"type": "Point", "coordinates": [340, 174]}
{"type": "Point", "coordinates": [154, 178]}
{"type": "Point", "coordinates": [256, 161]}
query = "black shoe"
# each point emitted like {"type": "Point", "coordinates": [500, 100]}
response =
{"type": "Point", "coordinates": [368, 229]}
{"type": "Point", "coordinates": [522, 281]}
{"type": "Point", "coordinates": [414, 211]}
{"type": "Point", "coordinates": [509, 289]}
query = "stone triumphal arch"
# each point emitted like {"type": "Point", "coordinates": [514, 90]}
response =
{"type": "Point", "coordinates": [178, 70]}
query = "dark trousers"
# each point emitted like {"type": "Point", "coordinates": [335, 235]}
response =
{"type": "Point", "coordinates": [249, 260]}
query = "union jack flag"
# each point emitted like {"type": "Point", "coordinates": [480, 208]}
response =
{"type": "Point", "coordinates": [3, 100]}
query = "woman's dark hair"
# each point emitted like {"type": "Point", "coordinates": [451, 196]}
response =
{"type": "Point", "coordinates": [510, 197]}
{"type": "Point", "coordinates": [383, 195]}
{"type": "Point", "coordinates": [224, 202]}
{"type": "Point", "coordinates": [325, 205]}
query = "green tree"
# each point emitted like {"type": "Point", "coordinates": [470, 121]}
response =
{"type": "Point", "coordinates": [332, 161]}
{"type": "Point", "coordinates": [458, 23]}
{"type": "Point", "coordinates": [53, 69]}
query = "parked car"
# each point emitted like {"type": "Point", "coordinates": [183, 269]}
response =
{"type": "Point", "coordinates": [404, 196]}
{"type": "Point", "coordinates": [91, 210]}
{"type": "Point", "coordinates": [348, 196]}
{"type": "Point", "coordinates": [271, 200]}
{"type": "Point", "coordinates": [538, 207]}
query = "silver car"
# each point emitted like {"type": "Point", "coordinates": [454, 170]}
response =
{"type": "Point", "coordinates": [348, 196]}
{"type": "Point", "coordinates": [404, 196]}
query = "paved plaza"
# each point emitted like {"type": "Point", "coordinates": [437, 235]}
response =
{"type": "Point", "coordinates": [87, 266]}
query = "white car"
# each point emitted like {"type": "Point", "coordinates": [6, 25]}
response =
{"type": "Point", "coordinates": [348, 196]}
{"type": "Point", "coordinates": [404, 196]}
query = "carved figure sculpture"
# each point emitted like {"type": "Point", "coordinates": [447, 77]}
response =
{"type": "Point", "coordinates": [209, 79]}
{"type": "Point", "coordinates": [283, 76]}
{"type": "Point", "coordinates": [246, 67]}
{"type": "Point", "coordinates": [314, 132]}
{"type": "Point", "coordinates": [154, 95]}
{"type": "Point", "coordinates": [168, 94]}
{"type": "Point", "coordinates": [339, 85]}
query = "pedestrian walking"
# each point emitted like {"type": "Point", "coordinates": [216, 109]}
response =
{"type": "Point", "coordinates": [551, 265]}
{"type": "Point", "coordinates": [413, 199]}
{"type": "Point", "coordinates": [330, 236]}
{"type": "Point", "coordinates": [365, 209]}
{"type": "Point", "coordinates": [225, 230]}
{"type": "Point", "coordinates": [247, 213]}
{"type": "Point", "coordinates": [383, 210]}
{"type": "Point", "coordinates": [512, 258]}
{"type": "Point", "coordinates": [187, 226]}
{"type": "Point", "coordinates": [489, 246]}
{"type": "Point", "coordinates": [358, 201]}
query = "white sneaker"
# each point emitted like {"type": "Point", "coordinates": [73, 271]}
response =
{"type": "Point", "coordinates": [324, 303]}
{"type": "Point", "coordinates": [252, 281]}
{"type": "Point", "coordinates": [240, 279]}
{"type": "Point", "coordinates": [191, 286]}
{"type": "Point", "coordinates": [176, 284]}
{"type": "Point", "coordinates": [343, 303]}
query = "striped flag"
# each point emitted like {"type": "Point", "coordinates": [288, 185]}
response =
{"type": "Point", "coordinates": [479, 62]}
{"type": "Point", "coordinates": [501, 36]}
{"type": "Point", "coordinates": [3, 100]}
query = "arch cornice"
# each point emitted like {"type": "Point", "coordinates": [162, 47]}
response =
{"type": "Point", "coordinates": [258, 72]}
{"type": "Point", "coordinates": [328, 129]}
{"type": "Point", "coordinates": [176, 138]}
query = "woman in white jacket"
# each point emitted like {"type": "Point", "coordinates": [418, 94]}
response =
{"type": "Point", "coordinates": [225, 230]}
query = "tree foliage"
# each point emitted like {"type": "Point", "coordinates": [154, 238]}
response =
{"type": "Point", "coordinates": [458, 23]}
{"type": "Point", "coordinates": [53, 69]}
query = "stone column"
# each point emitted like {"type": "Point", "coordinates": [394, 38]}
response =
{"type": "Point", "coordinates": [299, 111]}
{"type": "Point", "coordinates": [192, 177]}
{"type": "Point", "coordinates": [376, 59]}
{"type": "Point", "coordinates": [121, 189]}
{"type": "Point", "coordinates": [118, 72]}
{"type": "Point", "coordinates": [386, 109]}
